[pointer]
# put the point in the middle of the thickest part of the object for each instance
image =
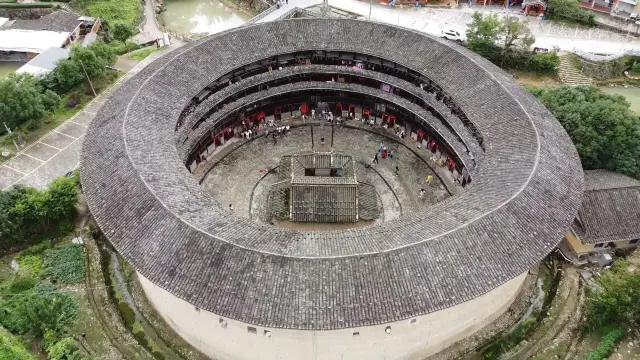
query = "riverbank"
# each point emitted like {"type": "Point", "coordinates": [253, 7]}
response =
{"type": "Point", "coordinates": [247, 7]}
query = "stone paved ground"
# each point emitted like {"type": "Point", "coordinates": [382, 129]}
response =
{"type": "Point", "coordinates": [233, 179]}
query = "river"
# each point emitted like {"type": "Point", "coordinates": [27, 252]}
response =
{"type": "Point", "coordinates": [8, 67]}
{"type": "Point", "coordinates": [201, 16]}
{"type": "Point", "coordinates": [632, 94]}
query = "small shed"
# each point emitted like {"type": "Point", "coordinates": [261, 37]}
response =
{"type": "Point", "coordinates": [45, 62]}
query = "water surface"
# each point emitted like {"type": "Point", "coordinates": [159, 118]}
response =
{"type": "Point", "coordinates": [201, 16]}
{"type": "Point", "coordinates": [8, 67]}
{"type": "Point", "coordinates": [631, 93]}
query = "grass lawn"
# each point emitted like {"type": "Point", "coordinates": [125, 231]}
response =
{"type": "Point", "coordinates": [529, 78]}
{"type": "Point", "coordinates": [141, 54]}
{"type": "Point", "coordinates": [114, 11]}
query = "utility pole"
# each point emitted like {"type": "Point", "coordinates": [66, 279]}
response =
{"type": "Point", "coordinates": [370, 6]}
{"type": "Point", "coordinates": [90, 83]}
{"type": "Point", "coordinates": [10, 135]}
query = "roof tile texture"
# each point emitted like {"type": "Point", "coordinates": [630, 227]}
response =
{"type": "Point", "coordinates": [518, 207]}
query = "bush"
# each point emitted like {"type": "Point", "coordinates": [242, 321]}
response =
{"type": "Point", "coordinates": [571, 11]}
{"type": "Point", "coordinates": [607, 345]}
{"type": "Point", "coordinates": [21, 285]}
{"type": "Point", "coordinates": [29, 214]}
{"type": "Point", "coordinates": [12, 349]}
{"type": "Point", "coordinates": [27, 98]}
{"type": "Point", "coordinates": [128, 315]}
{"type": "Point", "coordinates": [142, 54]}
{"type": "Point", "coordinates": [30, 265]}
{"type": "Point", "coordinates": [65, 349]}
{"type": "Point", "coordinates": [636, 67]}
{"type": "Point", "coordinates": [544, 63]}
{"type": "Point", "coordinates": [120, 49]}
{"type": "Point", "coordinates": [44, 308]}
{"type": "Point", "coordinates": [65, 263]}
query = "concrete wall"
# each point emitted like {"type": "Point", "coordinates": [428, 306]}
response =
{"type": "Point", "coordinates": [223, 338]}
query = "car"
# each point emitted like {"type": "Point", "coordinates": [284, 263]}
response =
{"type": "Point", "coordinates": [453, 35]}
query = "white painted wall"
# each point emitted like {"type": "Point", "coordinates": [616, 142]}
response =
{"type": "Point", "coordinates": [428, 335]}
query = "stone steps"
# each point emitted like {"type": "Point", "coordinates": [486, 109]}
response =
{"type": "Point", "coordinates": [569, 75]}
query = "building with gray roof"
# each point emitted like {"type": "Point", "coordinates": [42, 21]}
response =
{"type": "Point", "coordinates": [45, 62]}
{"type": "Point", "coordinates": [240, 289]}
{"type": "Point", "coordinates": [608, 218]}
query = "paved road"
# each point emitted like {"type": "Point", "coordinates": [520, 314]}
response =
{"type": "Point", "coordinates": [59, 151]}
{"type": "Point", "coordinates": [433, 21]}
{"type": "Point", "coordinates": [149, 30]}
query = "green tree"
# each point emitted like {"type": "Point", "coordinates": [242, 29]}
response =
{"type": "Point", "coordinates": [605, 132]}
{"type": "Point", "coordinates": [543, 63]}
{"type": "Point", "coordinates": [570, 10]}
{"type": "Point", "coordinates": [41, 309]}
{"type": "Point", "coordinates": [11, 348]}
{"type": "Point", "coordinates": [516, 35]}
{"type": "Point", "coordinates": [484, 28]}
{"type": "Point", "coordinates": [28, 214]}
{"type": "Point", "coordinates": [614, 301]}
{"type": "Point", "coordinates": [88, 61]}
{"type": "Point", "coordinates": [504, 42]}
{"type": "Point", "coordinates": [22, 99]}
{"type": "Point", "coordinates": [68, 75]}
{"type": "Point", "coordinates": [122, 32]}
{"type": "Point", "coordinates": [103, 51]}
{"type": "Point", "coordinates": [65, 349]}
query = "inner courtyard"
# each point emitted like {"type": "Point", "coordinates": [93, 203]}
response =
{"type": "Point", "coordinates": [243, 177]}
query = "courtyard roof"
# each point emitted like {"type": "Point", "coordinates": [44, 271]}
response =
{"type": "Point", "coordinates": [518, 207]}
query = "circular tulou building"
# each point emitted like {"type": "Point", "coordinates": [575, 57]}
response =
{"type": "Point", "coordinates": [328, 189]}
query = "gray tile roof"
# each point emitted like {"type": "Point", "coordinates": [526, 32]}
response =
{"type": "Point", "coordinates": [60, 21]}
{"type": "Point", "coordinates": [610, 208]}
{"type": "Point", "coordinates": [605, 179]}
{"type": "Point", "coordinates": [523, 197]}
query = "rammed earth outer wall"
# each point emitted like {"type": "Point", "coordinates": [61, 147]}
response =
{"type": "Point", "coordinates": [426, 336]}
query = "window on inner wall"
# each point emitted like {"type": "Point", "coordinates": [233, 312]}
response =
{"type": "Point", "coordinates": [598, 245]}
{"type": "Point", "coordinates": [252, 330]}
{"type": "Point", "coordinates": [413, 321]}
{"type": "Point", "coordinates": [634, 241]}
{"type": "Point", "coordinates": [356, 333]}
